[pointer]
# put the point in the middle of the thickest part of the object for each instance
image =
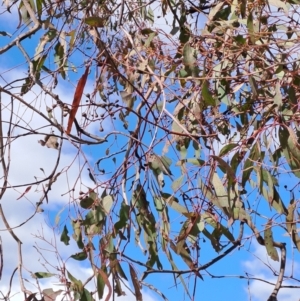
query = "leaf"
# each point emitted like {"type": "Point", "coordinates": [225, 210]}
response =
{"type": "Point", "coordinates": [43, 275]}
{"type": "Point", "coordinates": [291, 148]}
{"type": "Point", "coordinates": [50, 294]}
{"type": "Point", "coordinates": [220, 191]}
{"type": "Point", "coordinates": [150, 15]}
{"type": "Point", "coordinates": [64, 236]}
{"type": "Point", "coordinates": [206, 95]}
{"type": "Point", "coordinates": [291, 224]}
{"type": "Point", "coordinates": [173, 202]}
{"type": "Point", "coordinates": [278, 96]}
{"type": "Point", "coordinates": [95, 21]}
{"type": "Point", "coordinates": [26, 190]}
{"type": "Point", "coordinates": [225, 168]}
{"type": "Point", "coordinates": [279, 4]}
{"type": "Point", "coordinates": [46, 38]}
{"type": "Point", "coordinates": [194, 161]}
{"type": "Point", "coordinates": [136, 284]}
{"type": "Point", "coordinates": [127, 98]}
{"type": "Point", "coordinates": [227, 148]}
{"type": "Point", "coordinates": [107, 202]}
{"type": "Point", "coordinates": [251, 30]}
{"type": "Point", "coordinates": [77, 235]}
{"type": "Point", "coordinates": [123, 215]}
{"type": "Point", "coordinates": [104, 277]}
{"type": "Point", "coordinates": [77, 98]}
{"type": "Point", "coordinates": [159, 164]}
{"type": "Point", "coordinates": [271, 250]}
{"type": "Point", "coordinates": [87, 202]}
{"type": "Point", "coordinates": [177, 183]}
{"type": "Point", "coordinates": [39, 6]}
{"type": "Point", "coordinates": [59, 58]}
{"type": "Point", "coordinates": [86, 296]}
{"type": "Point", "coordinates": [100, 286]}
{"type": "Point", "coordinates": [189, 58]}
{"type": "Point", "coordinates": [50, 141]}
{"type": "Point", "coordinates": [80, 256]}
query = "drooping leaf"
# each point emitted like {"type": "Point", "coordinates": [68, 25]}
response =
{"type": "Point", "coordinates": [43, 275]}
{"type": "Point", "coordinates": [272, 252]}
{"type": "Point", "coordinates": [107, 202]}
{"type": "Point", "coordinates": [86, 296]}
{"type": "Point", "coordinates": [173, 202]}
{"type": "Point", "coordinates": [177, 183]}
{"type": "Point", "coordinates": [136, 284]}
{"type": "Point", "coordinates": [150, 15]}
{"type": "Point", "coordinates": [225, 168]}
{"type": "Point", "coordinates": [77, 98]}
{"type": "Point", "coordinates": [189, 58]}
{"type": "Point", "coordinates": [207, 95]}
{"type": "Point", "coordinates": [291, 224]}
{"type": "Point", "coordinates": [87, 202]}
{"type": "Point", "coordinates": [123, 217]}
{"type": "Point", "coordinates": [227, 148]}
{"type": "Point", "coordinates": [80, 256]}
{"type": "Point", "coordinates": [64, 236]}
{"type": "Point", "coordinates": [26, 191]}
{"type": "Point", "coordinates": [100, 286]}
{"type": "Point", "coordinates": [95, 21]}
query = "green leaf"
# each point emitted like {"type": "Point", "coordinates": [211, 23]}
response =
{"type": "Point", "coordinates": [107, 202]}
{"type": "Point", "coordinates": [123, 217]}
{"type": "Point", "coordinates": [100, 286]}
{"type": "Point", "coordinates": [189, 58]}
{"type": "Point", "coordinates": [278, 97]}
{"type": "Point", "coordinates": [86, 203]}
{"type": "Point", "coordinates": [220, 190]}
{"type": "Point", "coordinates": [251, 28]}
{"type": "Point", "coordinates": [272, 252]}
{"type": "Point", "coordinates": [120, 270]}
{"type": "Point", "coordinates": [177, 183]}
{"type": "Point", "coordinates": [291, 147]}
{"type": "Point", "coordinates": [77, 235]}
{"type": "Point", "coordinates": [43, 275]}
{"type": "Point", "coordinates": [80, 256]}
{"type": "Point", "coordinates": [150, 15]}
{"type": "Point", "coordinates": [291, 224]}
{"type": "Point", "coordinates": [214, 10]}
{"type": "Point", "coordinates": [207, 95]}
{"type": "Point", "coordinates": [194, 161]}
{"type": "Point", "coordinates": [226, 168]}
{"type": "Point", "coordinates": [86, 296]}
{"type": "Point", "coordinates": [64, 236]}
{"type": "Point", "coordinates": [39, 6]}
{"type": "Point", "coordinates": [59, 58]}
{"type": "Point", "coordinates": [95, 21]}
{"type": "Point", "coordinates": [279, 4]}
{"type": "Point", "coordinates": [173, 203]}
{"type": "Point", "coordinates": [227, 148]}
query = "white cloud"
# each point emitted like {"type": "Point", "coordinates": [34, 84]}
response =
{"type": "Point", "coordinates": [255, 267]}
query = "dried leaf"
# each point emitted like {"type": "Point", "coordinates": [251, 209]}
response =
{"type": "Point", "coordinates": [50, 294]}
{"type": "Point", "coordinates": [26, 190]}
{"type": "Point", "coordinates": [136, 284]}
{"type": "Point", "coordinates": [77, 98]}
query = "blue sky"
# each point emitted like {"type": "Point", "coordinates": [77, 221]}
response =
{"type": "Point", "coordinates": [28, 157]}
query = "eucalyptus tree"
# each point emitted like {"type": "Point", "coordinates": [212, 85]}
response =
{"type": "Point", "coordinates": [185, 114]}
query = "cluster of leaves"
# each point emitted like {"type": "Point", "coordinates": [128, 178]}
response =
{"type": "Point", "coordinates": [221, 102]}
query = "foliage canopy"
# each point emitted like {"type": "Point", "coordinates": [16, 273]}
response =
{"type": "Point", "coordinates": [185, 118]}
